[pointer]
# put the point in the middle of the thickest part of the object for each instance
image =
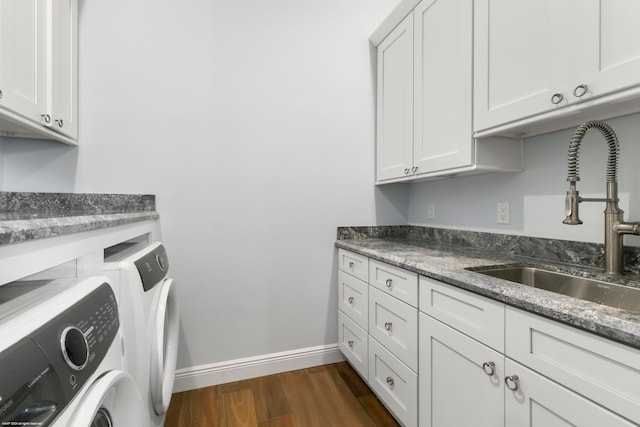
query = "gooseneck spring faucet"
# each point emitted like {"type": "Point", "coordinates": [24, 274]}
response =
{"type": "Point", "coordinates": [614, 226]}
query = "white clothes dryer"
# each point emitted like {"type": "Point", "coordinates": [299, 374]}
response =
{"type": "Point", "coordinates": [150, 316]}
{"type": "Point", "coordinates": [60, 341]}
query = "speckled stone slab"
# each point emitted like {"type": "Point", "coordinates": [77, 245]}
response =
{"type": "Point", "coordinates": [454, 265]}
{"type": "Point", "coordinates": [30, 216]}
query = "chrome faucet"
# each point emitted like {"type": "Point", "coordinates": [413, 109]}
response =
{"type": "Point", "coordinates": [614, 226]}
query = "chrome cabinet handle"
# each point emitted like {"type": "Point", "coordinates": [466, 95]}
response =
{"type": "Point", "coordinates": [350, 343]}
{"type": "Point", "coordinates": [406, 171]}
{"type": "Point", "coordinates": [46, 118]}
{"type": "Point", "coordinates": [350, 300]}
{"type": "Point", "coordinates": [512, 382]}
{"type": "Point", "coordinates": [390, 382]}
{"type": "Point", "coordinates": [59, 122]}
{"type": "Point", "coordinates": [580, 90]}
{"type": "Point", "coordinates": [557, 98]}
{"type": "Point", "coordinates": [489, 368]}
{"type": "Point", "coordinates": [389, 282]}
{"type": "Point", "coordinates": [414, 169]}
{"type": "Point", "coordinates": [387, 326]}
{"type": "Point", "coordinates": [0, 94]}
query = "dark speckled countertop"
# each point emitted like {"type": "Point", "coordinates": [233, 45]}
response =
{"type": "Point", "coordinates": [31, 216]}
{"type": "Point", "coordinates": [430, 252]}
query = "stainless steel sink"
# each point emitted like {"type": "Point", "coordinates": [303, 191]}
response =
{"type": "Point", "coordinates": [610, 294]}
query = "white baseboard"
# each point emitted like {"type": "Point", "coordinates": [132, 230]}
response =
{"type": "Point", "coordinates": [257, 366]}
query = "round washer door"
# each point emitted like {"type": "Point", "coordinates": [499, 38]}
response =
{"type": "Point", "coordinates": [164, 347]}
{"type": "Point", "coordinates": [113, 400]}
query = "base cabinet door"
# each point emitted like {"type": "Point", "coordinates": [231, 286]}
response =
{"type": "Point", "coordinates": [535, 401]}
{"type": "Point", "coordinates": [460, 381]}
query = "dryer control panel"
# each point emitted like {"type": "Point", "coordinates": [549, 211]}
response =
{"type": "Point", "coordinates": [153, 267]}
{"type": "Point", "coordinates": [40, 374]}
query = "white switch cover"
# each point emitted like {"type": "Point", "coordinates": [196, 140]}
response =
{"type": "Point", "coordinates": [431, 211]}
{"type": "Point", "coordinates": [504, 213]}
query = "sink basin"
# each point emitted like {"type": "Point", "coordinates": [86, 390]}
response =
{"type": "Point", "coordinates": [610, 294]}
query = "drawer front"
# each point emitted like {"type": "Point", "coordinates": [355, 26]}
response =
{"type": "Point", "coordinates": [394, 383]}
{"type": "Point", "coordinates": [354, 344]}
{"type": "Point", "coordinates": [354, 264]}
{"type": "Point", "coordinates": [395, 325]}
{"type": "Point", "coordinates": [395, 281]}
{"type": "Point", "coordinates": [599, 369]}
{"type": "Point", "coordinates": [353, 298]}
{"type": "Point", "coordinates": [471, 314]}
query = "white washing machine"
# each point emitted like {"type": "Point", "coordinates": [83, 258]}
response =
{"type": "Point", "coordinates": [150, 318]}
{"type": "Point", "coordinates": [61, 356]}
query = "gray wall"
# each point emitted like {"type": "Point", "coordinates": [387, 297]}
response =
{"type": "Point", "coordinates": [253, 123]}
{"type": "Point", "coordinates": [537, 194]}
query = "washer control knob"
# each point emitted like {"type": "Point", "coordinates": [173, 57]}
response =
{"type": "Point", "coordinates": [75, 348]}
{"type": "Point", "coordinates": [160, 262]}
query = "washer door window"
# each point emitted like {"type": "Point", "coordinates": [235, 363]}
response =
{"type": "Point", "coordinates": [164, 347]}
{"type": "Point", "coordinates": [113, 400]}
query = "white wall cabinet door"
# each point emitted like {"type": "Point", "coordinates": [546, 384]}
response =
{"type": "Point", "coordinates": [443, 85]}
{"type": "Point", "coordinates": [539, 402]}
{"type": "Point", "coordinates": [520, 58]}
{"type": "Point", "coordinates": [536, 58]}
{"type": "Point", "coordinates": [394, 145]}
{"type": "Point", "coordinates": [64, 68]}
{"type": "Point", "coordinates": [23, 35]}
{"type": "Point", "coordinates": [454, 389]}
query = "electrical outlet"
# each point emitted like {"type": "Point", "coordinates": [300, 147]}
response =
{"type": "Point", "coordinates": [503, 213]}
{"type": "Point", "coordinates": [431, 211]}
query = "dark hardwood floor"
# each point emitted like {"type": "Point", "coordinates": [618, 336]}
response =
{"type": "Point", "coordinates": [323, 396]}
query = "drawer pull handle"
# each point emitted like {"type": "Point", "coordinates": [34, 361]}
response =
{"type": "Point", "coordinates": [390, 382]}
{"type": "Point", "coordinates": [389, 282]}
{"type": "Point", "coordinates": [46, 118]}
{"type": "Point", "coordinates": [580, 90]}
{"type": "Point", "coordinates": [512, 382]}
{"type": "Point", "coordinates": [350, 343]}
{"type": "Point", "coordinates": [557, 98]}
{"type": "Point", "coordinates": [350, 264]}
{"type": "Point", "coordinates": [489, 368]}
{"type": "Point", "coordinates": [350, 300]}
{"type": "Point", "coordinates": [414, 169]}
{"type": "Point", "coordinates": [387, 326]}
{"type": "Point", "coordinates": [406, 171]}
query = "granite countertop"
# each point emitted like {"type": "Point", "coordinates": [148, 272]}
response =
{"type": "Point", "coordinates": [31, 216]}
{"type": "Point", "coordinates": [449, 263]}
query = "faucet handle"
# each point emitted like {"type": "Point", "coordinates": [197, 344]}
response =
{"type": "Point", "coordinates": [571, 203]}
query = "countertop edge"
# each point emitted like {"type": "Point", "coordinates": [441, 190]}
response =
{"type": "Point", "coordinates": [611, 323]}
{"type": "Point", "coordinates": [22, 230]}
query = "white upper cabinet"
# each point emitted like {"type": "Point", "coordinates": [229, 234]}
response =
{"type": "Point", "coordinates": [543, 65]}
{"type": "Point", "coordinates": [394, 149]}
{"type": "Point", "coordinates": [425, 96]}
{"type": "Point", "coordinates": [38, 69]}
{"type": "Point", "coordinates": [23, 32]}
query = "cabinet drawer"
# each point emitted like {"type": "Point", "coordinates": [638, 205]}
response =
{"type": "Point", "coordinates": [395, 281]}
{"type": "Point", "coordinates": [599, 369]}
{"type": "Point", "coordinates": [354, 264]}
{"type": "Point", "coordinates": [353, 298]}
{"type": "Point", "coordinates": [471, 314]}
{"type": "Point", "coordinates": [353, 343]}
{"type": "Point", "coordinates": [394, 383]}
{"type": "Point", "coordinates": [395, 325]}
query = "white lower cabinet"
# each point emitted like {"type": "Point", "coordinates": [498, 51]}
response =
{"type": "Point", "coordinates": [394, 383]}
{"type": "Point", "coordinates": [455, 390]}
{"type": "Point", "coordinates": [353, 342]}
{"type": "Point", "coordinates": [467, 360]}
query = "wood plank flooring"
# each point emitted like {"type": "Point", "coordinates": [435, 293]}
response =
{"type": "Point", "coordinates": [322, 396]}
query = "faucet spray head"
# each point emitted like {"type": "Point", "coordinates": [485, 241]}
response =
{"type": "Point", "coordinates": [571, 203]}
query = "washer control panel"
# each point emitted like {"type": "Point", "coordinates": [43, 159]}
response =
{"type": "Point", "coordinates": [40, 374]}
